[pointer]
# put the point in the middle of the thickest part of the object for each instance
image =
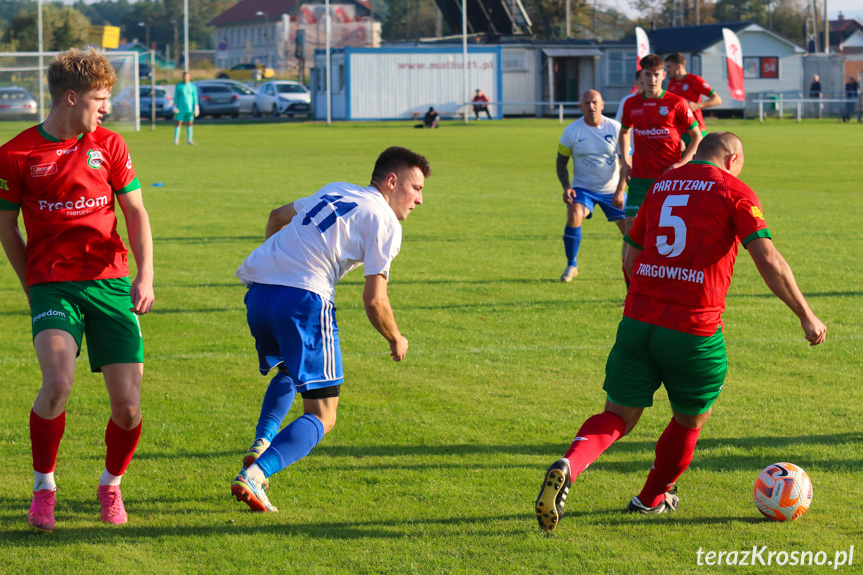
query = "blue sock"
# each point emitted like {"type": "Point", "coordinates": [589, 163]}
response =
{"type": "Point", "coordinates": [176, 133]}
{"type": "Point", "coordinates": [189, 130]}
{"type": "Point", "coordinates": [571, 243]}
{"type": "Point", "coordinates": [291, 444]}
{"type": "Point", "coordinates": [277, 402]}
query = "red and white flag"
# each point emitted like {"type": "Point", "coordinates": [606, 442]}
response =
{"type": "Point", "coordinates": [642, 49]}
{"type": "Point", "coordinates": [643, 46]}
{"type": "Point", "coordinates": [734, 56]}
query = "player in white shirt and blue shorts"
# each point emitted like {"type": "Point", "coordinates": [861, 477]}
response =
{"type": "Point", "coordinates": [311, 244]}
{"type": "Point", "coordinates": [591, 142]}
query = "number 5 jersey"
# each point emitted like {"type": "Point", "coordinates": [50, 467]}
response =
{"type": "Point", "coordinates": [336, 230]}
{"type": "Point", "coordinates": [688, 228]}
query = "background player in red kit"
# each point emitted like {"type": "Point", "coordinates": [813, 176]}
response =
{"type": "Point", "coordinates": [684, 243]}
{"type": "Point", "coordinates": [656, 120]}
{"type": "Point", "coordinates": [691, 88]}
{"type": "Point", "coordinates": [64, 176]}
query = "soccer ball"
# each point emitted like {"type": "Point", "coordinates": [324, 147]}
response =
{"type": "Point", "coordinates": [782, 492]}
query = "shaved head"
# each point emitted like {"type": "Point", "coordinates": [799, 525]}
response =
{"type": "Point", "coordinates": [724, 149]}
{"type": "Point", "coordinates": [590, 95]}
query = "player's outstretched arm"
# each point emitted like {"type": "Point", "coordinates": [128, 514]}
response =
{"type": "Point", "coordinates": [13, 245]}
{"type": "Point", "coordinates": [141, 244]}
{"type": "Point", "coordinates": [279, 218]}
{"type": "Point", "coordinates": [779, 278]}
{"type": "Point", "coordinates": [380, 313]}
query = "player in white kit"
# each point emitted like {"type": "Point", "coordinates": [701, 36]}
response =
{"type": "Point", "coordinates": [311, 244]}
{"type": "Point", "coordinates": [591, 141]}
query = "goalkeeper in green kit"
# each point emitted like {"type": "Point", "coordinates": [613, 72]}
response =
{"type": "Point", "coordinates": [186, 108]}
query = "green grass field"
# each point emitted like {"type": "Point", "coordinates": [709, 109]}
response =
{"type": "Point", "coordinates": [435, 462]}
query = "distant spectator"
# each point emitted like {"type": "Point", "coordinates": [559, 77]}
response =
{"type": "Point", "coordinates": [852, 94]}
{"type": "Point", "coordinates": [430, 120]}
{"type": "Point", "coordinates": [480, 97]}
{"type": "Point", "coordinates": [815, 87]}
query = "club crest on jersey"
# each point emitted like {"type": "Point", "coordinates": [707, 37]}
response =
{"type": "Point", "coordinates": [43, 170]}
{"type": "Point", "coordinates": [685, 87]}
{"type": "Point", "coordinates": [4, 185]}
{"type": "Point", "coordinates": [94, 159]}
{"type": "Point", "coordinates": [609, 138]}
{"type": "Point", "coordinates": [663, 110]}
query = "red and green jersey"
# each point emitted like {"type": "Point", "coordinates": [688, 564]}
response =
{"type": "Point", "coordinates": [688, 228]}
{"type": "Point", "coordinates": [657, 124]}
{"type": "Point", "coordinates": [65, 191]}
{"type": "Point", "coordinates": [691, 88]}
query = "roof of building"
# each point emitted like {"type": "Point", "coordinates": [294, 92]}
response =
{"type": "Point", "coordinates": [690, 39]}
{"type": "Point", "coordinates": [247, 10]}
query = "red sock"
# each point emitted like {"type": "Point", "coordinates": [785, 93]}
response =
{"type": "Point", "coordinates": [594, 437]}
{"type": "Point", "coordinates": [45, 436]}
{"type": "Point", "coordinates": [673, 455]}
{"type": "Point", "coordinates": [121, 447]}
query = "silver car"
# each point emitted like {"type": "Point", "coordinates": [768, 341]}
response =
{"type": "Point", "coordinates": [245, 94]}
{"type": "Point", "coordinates": [218, 100]}
{"type": "Point", "coordinates": [17, 104]}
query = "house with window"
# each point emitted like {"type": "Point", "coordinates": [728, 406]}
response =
{"type": "Point", "coordinates": [280, 33]}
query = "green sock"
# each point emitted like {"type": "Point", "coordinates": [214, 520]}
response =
{"type": "Point", "coordinates": [189, 132]}
{"type": "Point", "coordinates": [176, 133]}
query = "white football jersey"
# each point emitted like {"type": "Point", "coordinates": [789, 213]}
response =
{"type": "Point", "coordinates": [594, 154]}
{"type": "Point", "coordinates": [619, 115]}
{"type": "Point", "coordinates": [336, 230]}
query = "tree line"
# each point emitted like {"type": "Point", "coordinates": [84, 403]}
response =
{"type": "Point", "coordinates": [162, 20]}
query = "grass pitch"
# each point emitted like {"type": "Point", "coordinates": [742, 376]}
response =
{"type": "Point", "coordinates": [434, 464]}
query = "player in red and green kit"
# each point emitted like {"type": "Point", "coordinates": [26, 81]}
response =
{"type": "Point", "coordinates": [656, 121]}
{"type": "Point", "coordinates": [691, 88]}
{"type": "Point", "coordinates": [65, 176]}
{"type": "Point", "coordinates": [684, 243]}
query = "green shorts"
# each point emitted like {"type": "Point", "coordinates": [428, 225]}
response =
{"type": "Point", "coordinates": [635, 195]}
{"type": "Point", "coordinates": [645, 356]}
{"type": "Point", "coordinates": [97, 308]}
{"type": "Point", "coordinates": [687, 138]}
{"type": "Point", "coordinates": [184, 116]}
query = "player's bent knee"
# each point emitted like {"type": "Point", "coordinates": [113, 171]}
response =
{"type": "Point", "coordinates": [126, 416]}
{"type": "Point", "coordinates": [692, 421]}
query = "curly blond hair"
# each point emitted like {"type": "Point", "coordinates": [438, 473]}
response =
{"type": "Point", "coordinates": [79, 71]}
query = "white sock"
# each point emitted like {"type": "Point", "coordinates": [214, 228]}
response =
{"type": "Point", "coordinates": [108, 479]}
{"type": "Point", "coordinates": [43, 481]}
{"type": "Point", "coordinates": [256, 474]}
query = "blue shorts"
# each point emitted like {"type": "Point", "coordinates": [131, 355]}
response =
{"type": "Point", "coordinates": [295, 328]}
{"type": "Point", "coordinates": [587, 199]}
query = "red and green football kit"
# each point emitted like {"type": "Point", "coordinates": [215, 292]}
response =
{"type": "Point", "coordinates": [688, 229]}
{"type": "Point", "coordinates": [691, 88]}
{"type": "Point", "coordinates": [65, 191]}
{"type": "Point", "coordinates": [657, 124]}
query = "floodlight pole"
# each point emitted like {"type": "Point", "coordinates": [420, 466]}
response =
{"type": "Point", "coordinates": [464, 54]}
{"type": "Point", "coordinates": [826, 30]}
{"type": "Point", "coordinates": [329, 72]}
{"type": "Point", "coordinates": [41, 68]}
{"type": "Point", "coordinates": [186, 33]}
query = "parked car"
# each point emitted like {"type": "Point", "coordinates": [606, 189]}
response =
{"type": "Point", "coordinates": [145, 72]}
{"type": "Point", "coordinates": [17, 104]}
{"type": "Point", "coordinates": [124, 105]}
{"type": "Point", "coordinates": [255, 72]}
{"type": "Point", "coordinates": [218, 100]}
{"type": "Point", "coordinates": [245, 94]}
{"type": "Point", "coordinates": [282, 97]}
